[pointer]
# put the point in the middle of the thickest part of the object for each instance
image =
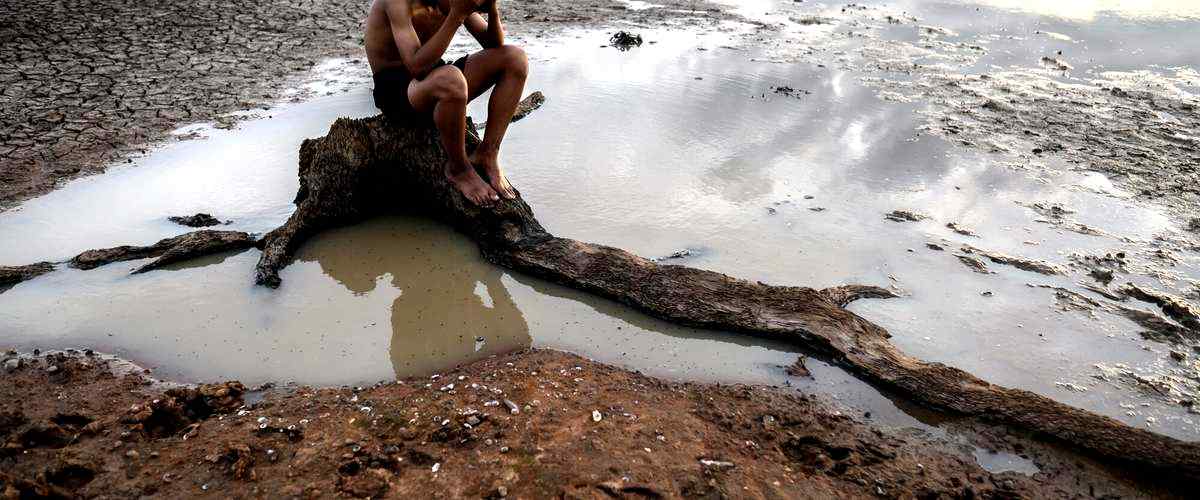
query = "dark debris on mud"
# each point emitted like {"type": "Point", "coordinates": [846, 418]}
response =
{"type": "Point", "coordinates": [197, 221]}
{"type": "Point", "coordinates": [905, 216]}
{"type": "Point", "coordinates": [624, 40]}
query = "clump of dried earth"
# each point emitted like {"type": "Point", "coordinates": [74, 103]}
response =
{"type": "Point", "coordinates": [535, 424]}
{"type": "Point", "coordinates": [84, 83]}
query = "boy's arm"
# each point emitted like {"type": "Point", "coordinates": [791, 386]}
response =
{"type": "Point", "coordinates": [490, 33]}
{"type": "Point", "coordinates": [419, 58]}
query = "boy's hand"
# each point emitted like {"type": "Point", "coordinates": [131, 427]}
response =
{"type": "Point", "coordinates": [460, 9]}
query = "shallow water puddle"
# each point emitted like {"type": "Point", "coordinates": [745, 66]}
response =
{"type": "Point", "coordinates": [774, 172]}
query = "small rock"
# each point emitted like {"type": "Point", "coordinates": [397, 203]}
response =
{"type": "Point", "coordinates": [596, 416]}
{"type": "Point", "coordinates": [960, 229]}
{"type": "Point", "coordinates": [905, 216]}
{"type": "Point", "coordinates": [799, 368]}
{"type": "Point", "coordinates": [624, 40]}
{"type": "Point", "coordinates": [52, 369]}
{"type": "Point", "coordinates": [12, 365]}
{"type": "Point", "coordinates": [718, 464]}
{"type": "Point", "coordinates": [198, 220]}
{"type": "Point", "coordinates": [512, 407]}
{"type": "Point", "coordinates": [1178, 356]}
{"type": "Point", "coordinates": [501, 491]}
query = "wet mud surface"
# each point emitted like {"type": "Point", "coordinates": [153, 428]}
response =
{"type": "Point", "coordinates": [530, 424]}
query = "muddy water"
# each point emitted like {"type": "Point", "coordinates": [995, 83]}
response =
{"type": "Point", "coordinates": [683, 143]}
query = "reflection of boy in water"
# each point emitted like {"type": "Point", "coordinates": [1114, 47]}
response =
{"type": "Point", "coordinates": [405, 42]}
{"type": "Point", "coordinates": [438, 314]}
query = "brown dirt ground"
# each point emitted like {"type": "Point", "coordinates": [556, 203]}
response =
{"type": "Point", "coordinates": [88, 429]}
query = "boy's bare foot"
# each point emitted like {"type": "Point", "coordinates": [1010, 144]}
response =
{"type": "Point", "coordinates": [491, 165]}
{"type": "Point", "coordinates": [471, 185]}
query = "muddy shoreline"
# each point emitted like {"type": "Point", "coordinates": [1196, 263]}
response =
{"type": "Point", "coordinates": [81, 93]}
{"type": "Point", "coordinates": [536, 423]}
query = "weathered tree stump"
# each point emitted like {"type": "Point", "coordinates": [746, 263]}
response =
{"type": "Point", "coordinates": [371, 166]}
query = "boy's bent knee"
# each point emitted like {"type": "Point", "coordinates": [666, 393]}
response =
{"type": "Point", "coordinates": [515, 58]}
{"type": "Point", "coordinates": [449, 84]}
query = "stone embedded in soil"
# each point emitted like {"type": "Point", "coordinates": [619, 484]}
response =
{"type": "Point", "coordinates": [198, 220]}
{"type": "Point", "coordinates": [168, 251]}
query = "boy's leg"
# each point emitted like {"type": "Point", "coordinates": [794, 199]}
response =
{"type": "Point", "coordinates": [443, 93]}
{"type": "Point", "coordinates": [504, 68]}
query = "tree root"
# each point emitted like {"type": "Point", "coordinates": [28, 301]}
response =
{"type": "Point", "coordinates": [10, 276]}
{"type": "Point", "coordinates": [169, 251]}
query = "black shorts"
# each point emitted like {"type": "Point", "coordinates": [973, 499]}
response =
{"type": "Point", "coordinates": [391, 89]}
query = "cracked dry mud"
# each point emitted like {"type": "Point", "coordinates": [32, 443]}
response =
{"type": "Point", "coordinates": [84, 83]}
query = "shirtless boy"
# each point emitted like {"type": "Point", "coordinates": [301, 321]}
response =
{"type": "Point", "coordinates": [406, 40]}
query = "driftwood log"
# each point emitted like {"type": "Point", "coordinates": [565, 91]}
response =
{"type": "Point", "coordinates": [372, 166]}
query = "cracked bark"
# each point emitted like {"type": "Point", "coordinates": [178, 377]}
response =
{"type": "Point", "coordinates": [371, 166]}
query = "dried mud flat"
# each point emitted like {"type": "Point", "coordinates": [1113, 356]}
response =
{"type": "Point", "coordinates": [84, 83]}
{"type": "Point", "coordinates": [534, 424]}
